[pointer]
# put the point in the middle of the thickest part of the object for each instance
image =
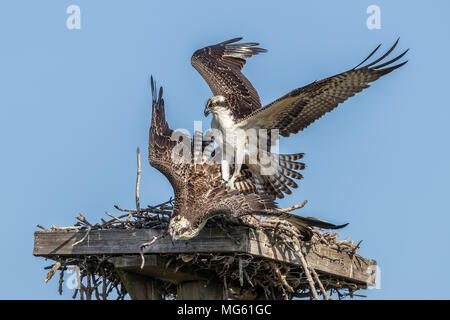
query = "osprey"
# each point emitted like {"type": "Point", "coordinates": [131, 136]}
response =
{"type": "Point", "coordinates": [198, 187]}
{"type": "Point", "coordinates": [236, 106]}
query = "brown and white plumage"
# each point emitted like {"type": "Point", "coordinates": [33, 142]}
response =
{"type": "Point", "coordinates": [299, 108]}
{"type": "Point", "coordinates": [289, 114]}
{"type": "Point", "coordinates": [198, 187]}
{"type": "Point", "coordinates": [220, 65]}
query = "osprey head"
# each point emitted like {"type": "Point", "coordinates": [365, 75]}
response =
{"type": "Point", "coordinates": [214, 103]}
{"type": "Point", "coordinates": [181, 228]}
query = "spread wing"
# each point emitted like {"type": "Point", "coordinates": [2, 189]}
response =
{"type": "Point", "coordinates": [301, 107]}
{"type": "Point", "coordinates": [160, 144]}
{"type": "Point", "coordinates": [220, 65]}
{"type": "Point", "coordinates": [161, 148]}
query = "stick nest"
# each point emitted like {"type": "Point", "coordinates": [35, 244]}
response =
{"type": "Point", "coordinates": [244, 276]}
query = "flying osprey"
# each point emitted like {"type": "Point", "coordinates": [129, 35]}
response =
{"type": "Point", "coordinates": [198, 187]}
{"type": "Point", "coordinates": [236, 106]}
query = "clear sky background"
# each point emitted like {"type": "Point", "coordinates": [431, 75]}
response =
{"type": "Point", "coordinates": [75, 104]}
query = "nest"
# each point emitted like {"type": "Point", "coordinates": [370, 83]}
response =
{"type": "Point", "coordinates": [244, 276]}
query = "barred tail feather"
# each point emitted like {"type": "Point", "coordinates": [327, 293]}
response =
{"type": "Point", "coordinates": [245, 187]}
{"type": "Point", "coordinates": [281, 182]}
{"type": "Point", "coordinates": [291, 157]}
{"type": "Point", "coordinates": [291, 173]}
{"type": "Point", "coordinates": [292, 165]}
{"type": "Point", "coordinates": [278, 184]}
{"type": "Point", "coordinates": [268, 186]}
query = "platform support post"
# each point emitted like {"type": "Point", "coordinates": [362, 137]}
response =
{"type": "Point", "coordinates": [140, 287]}
{"type": "Point", "coordinates": [201, 290]}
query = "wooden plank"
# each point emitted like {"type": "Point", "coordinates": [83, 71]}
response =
{"type": "Point", "coordinates": [320, 257]}
{"type": "Point", "coordinates": [119, 242]}
{"type": "Point", "coordinates": [127, 241]}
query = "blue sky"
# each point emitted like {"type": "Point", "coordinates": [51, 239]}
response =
{"type": "Point", "coordinates": [75, 104]}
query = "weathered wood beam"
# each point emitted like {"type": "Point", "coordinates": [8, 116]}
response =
{"type": "Point", "coordinates": [127, 241]}
{"type": "Point", "coordinates": [139, 287]}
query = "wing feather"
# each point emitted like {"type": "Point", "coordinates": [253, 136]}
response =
{"type": "Point", "coordinates": [299, 108]}
{"type": "Point", "coordinates": [160, 144]}
{"type": "Point", "coordinates": [160, 148]}
{"type": "Point", "coordinates": [220, 65]}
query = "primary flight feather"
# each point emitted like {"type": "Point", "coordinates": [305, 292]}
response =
{"type": "Point", "coordinates": [236, 106]}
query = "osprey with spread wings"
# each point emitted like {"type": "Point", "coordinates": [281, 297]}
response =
{"type": "Point", "coordinates": [236, 106]}
{"type": "Point", "coordinates": [198, 187]}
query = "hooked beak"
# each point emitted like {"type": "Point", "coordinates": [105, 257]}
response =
{"type": "Point", "coordinates": [207, 110]}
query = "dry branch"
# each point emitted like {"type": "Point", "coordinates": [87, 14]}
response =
{"type": "Point", "coordinates": [138, 180]}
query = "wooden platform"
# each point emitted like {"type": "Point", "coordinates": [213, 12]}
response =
{"type": "Point", "coordinates": [125, 245]}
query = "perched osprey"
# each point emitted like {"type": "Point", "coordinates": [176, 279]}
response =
{"type": "Point", "coordinates": [198, 187]}
{"type": "Point", "coordinates": [236, 106]}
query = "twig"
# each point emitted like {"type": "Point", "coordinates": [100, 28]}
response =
{"type": "Point", "coordinates": [85, 236]}
{"type": "Point", "coordinates": [307, 273]}
{"type": "Point", "coordinates": [357, 246]}
{"type": "Point", "coordinates": [149, 210]}
{"type": "Point", "coordinates": [294, 207]}
{"type": "Point", "coordinates": [138, 180]}
{"type": "Point", "coordinates": [53, 227]}
{"type": "Point", "coordinates": [55, 267]}
{"type": "Point", "coordinates": [61, 281]}
{"type": "Point", "coordinates": [114, 217]}
{"type": "Point", "coordinates": [324, 292]}
{"type": "Point", "coordinates": [83, 219]}
{"type": "Point", "coordinates": [241, 273]}
{"type": "Point", "coordinates": [41, 227]}
{"type": "Point", "coordinates": [147, 244]}
{"type": "Point", "coordinates": [281, 276]}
